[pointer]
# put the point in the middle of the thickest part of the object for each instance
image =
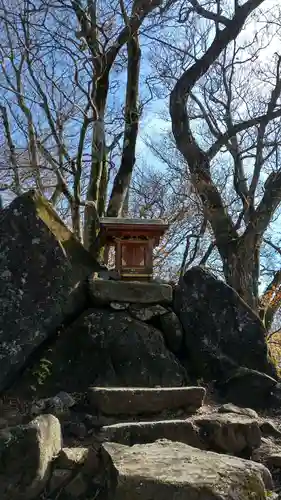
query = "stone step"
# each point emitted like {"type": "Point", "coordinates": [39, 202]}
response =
{"type": "Point", "coordinates": [144, 400]}
{"type": "Point", "coordinates": [226, 433]}
{"type": "Point", "coordinates": [130, 433]}
{"type": "Point", "coordinates": [132, 292]}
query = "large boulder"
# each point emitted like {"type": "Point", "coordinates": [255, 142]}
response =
{"type": "Point", "coordinates": [26, 456]}
{"type": "Point", "coordinates": [221, 331]}
{"type": "Point", "coordinates": [43, 268]}
{"type": "Point", "coordinates": [106, 348]}
{"type": "Point", "coordinates": [166, 470]}
{"type": "Point", "coordinates": [248, 387]}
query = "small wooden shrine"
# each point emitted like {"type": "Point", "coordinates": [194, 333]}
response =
{"type": "Point", "coordinates": [134, 241]}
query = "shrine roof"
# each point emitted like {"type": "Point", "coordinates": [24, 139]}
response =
{"type": "Point", "coordinates": [132, 222]}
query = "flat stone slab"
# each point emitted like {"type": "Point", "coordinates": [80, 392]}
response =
{"type": "Point", "coordinates": [106, 291]}
{"type": "Point", "coordinates": [169, 470]}
{"type": "Point", "coordinates": [219, 433]}
{"type": "Point", "coordinates": [131, 433]}
{"type": "Point", "coordinates": [139, 401]}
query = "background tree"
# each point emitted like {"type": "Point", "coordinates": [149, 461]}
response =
{"type": "Point", "coordinates": [79, 80]}
{"type": "Point", "coordinates": [222, 71]}
{"type": "Point", "coordinates": [62, 65]}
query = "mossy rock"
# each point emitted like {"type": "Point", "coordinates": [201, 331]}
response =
{"type": "Point", "coordinates": [43, 271]}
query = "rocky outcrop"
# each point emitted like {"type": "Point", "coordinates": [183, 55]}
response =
{"type": "Point", "coordinates": [42, 273]}
{"type": "Point", "coordinates": [220, 331]}
{"type": "Point", "coordinates": [35, 465]}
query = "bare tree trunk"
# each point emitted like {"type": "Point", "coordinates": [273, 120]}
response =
{"type": "Point", "coordinates": [91, 224]}
{"type": "Point", "coordinates": [124, 174]}
{"type": "Point", "coordinates": [75, 217]}
{"type": "Point", "coordinates": [12, 155]}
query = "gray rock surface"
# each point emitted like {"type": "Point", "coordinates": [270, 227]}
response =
{"type": "Point", "coordinates": [57, 405]}
{"type": "Point", "coordinates": [165, 470]}
{"type": "Point", "coordinates": [228, 433]}
{"type": "Point", "coordinates": [106, 291]}
{"type": "Point", "coordinates": [248, 387]}
{"type": "Point", "coordinates": [131, 433]}
{"type": "Point", "coordinates": [221, 331]}
{"type": "Point", "coordinates": [144, 400]}
{"type": "Point", "coordinates": [107, 348]}
{"type": "Point", "coordinates": [26, 455]}
{"type": "Point", "coordinates": [143, 313]}
{"type": "Point", "coordinates": [231, 408]}
{"type": "Point", "coordinates": [268, 453]}
{"type": "Point", "coordinates": [42, 273]}
{"type": "Point", "coordinates": [172, 330]}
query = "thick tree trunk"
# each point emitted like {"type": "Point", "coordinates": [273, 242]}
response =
{"type": "Point", "coordinates": [240, 254]}
{"type": "Point", "coordinates": [241, 270]}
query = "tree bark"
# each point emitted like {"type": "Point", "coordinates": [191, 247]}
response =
{"type": "Point", "coordinates": [103, 63]}
{"type": "Point", "coordinates": [241, 269]}
{"type": "Point", "coordinates": [240, 254]}
{"type": "Point", "coordinates": [98, 163]}
{"type": "Point", "coordinates": [123, 177]}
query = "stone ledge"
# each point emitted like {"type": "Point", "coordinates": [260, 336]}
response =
{"type": "Point", "coordinates": [232, 434]}
{"type": "Point", "coordinates": [137, 401]}
{"type": "Point", "coordinates": [133, 292]}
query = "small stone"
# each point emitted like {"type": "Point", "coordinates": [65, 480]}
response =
{"type": "Point", "coordinates": [57, 405]}
{"type": "Point", "coordinates": [146, 313]}
{"type": "Point", "coordinates": [66, 398]}
{"type": "Point", "coordinates": [231, 408]}
{"type": "Point", "coordinates": [119, 306]}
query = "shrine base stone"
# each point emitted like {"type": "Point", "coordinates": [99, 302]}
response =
{"type": "Point", "coordinates": [107, 291]}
